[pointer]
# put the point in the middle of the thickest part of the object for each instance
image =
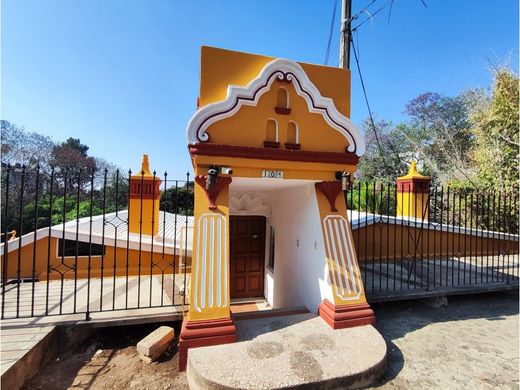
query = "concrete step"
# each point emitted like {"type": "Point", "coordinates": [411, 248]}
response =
{"type": "Point", "coordinates": [289, 352]}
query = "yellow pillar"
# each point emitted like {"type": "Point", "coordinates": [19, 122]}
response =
{"type": "Point", "coordinates": [349, 307]}
{"type": "Point", "coordinates": [145, 194]}
{"type": "Point", "coordinates": [209, 317]}
{"type": "Point", "coordinates": [209, 295]}
{"type": "Point", "coordinates": [413, 194]}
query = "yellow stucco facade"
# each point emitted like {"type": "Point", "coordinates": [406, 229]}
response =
{"type": "Point", "coordinates": [258, 114]}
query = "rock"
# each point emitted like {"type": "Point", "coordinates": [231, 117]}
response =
{"type": "Point", "coordinates": [155, 344]}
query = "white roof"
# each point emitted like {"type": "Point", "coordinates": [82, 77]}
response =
{"type": "Point", "coordinates": [173, 228]}
{"type": "Point", "coordinates": [361, 219]}
{"type": "Point", "coordinates": [171, 235]}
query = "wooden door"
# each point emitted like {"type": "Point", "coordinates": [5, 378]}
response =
{"type": "Point", "coordinates": [247, 256]}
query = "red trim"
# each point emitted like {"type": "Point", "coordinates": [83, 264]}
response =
{"type": "Point", "coordinates": [271, 144]}
{"type": "Point", "coordinates": [413, 185]}
{"type": "Point", "coordinates": [282, 110]}
{"type": "Point", "coordinates": [144, 188]}
{"type": "Point", "coordinates": [272, 154]}
{"type": "Point", "coordinates": [291, 146]}
{"type": "Point", "coordinates": [331, 190]}
{"type": "Point", "coordinates": [204, 333]}
{"type": "Point", "coordinates": [221, 182]}
{"type": "Point", "coordinates": [346, 316]}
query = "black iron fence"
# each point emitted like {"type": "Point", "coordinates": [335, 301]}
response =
{"type": "Point", "coordinates": [438, 240]}
{"type": "Point", "coordinates": [77, 242]}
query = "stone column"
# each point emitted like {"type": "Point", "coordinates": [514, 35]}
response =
{"type": "Point", "coordinates": [208, 321]}
{"type": "Point", "coordinates": [349, 307]}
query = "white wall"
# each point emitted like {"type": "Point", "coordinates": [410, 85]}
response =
{"type": "Point", "coordinates": [300, 274]}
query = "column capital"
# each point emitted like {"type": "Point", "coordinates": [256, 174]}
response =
{"type": "Point", "coordinates": [330, 189]}
{"type": "Point", "coordinates": [220, 183]}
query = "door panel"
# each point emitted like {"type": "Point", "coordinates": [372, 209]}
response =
{"type": "Point", "coordinates": [247, 256]}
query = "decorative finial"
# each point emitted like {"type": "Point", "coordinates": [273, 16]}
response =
{"type": "Point", "coordinates": [145, 166]}
{"type": "Point", "coordinates": [413, 168]}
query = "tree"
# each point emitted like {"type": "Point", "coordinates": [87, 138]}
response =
{"type": "Point", "coordinates": [439, 133]}
{"type": "Point", "coordinates": [495, 126]}
{"type": "Point", "coordinates": [20, 147]}
{"type": "Point", "coordinates": [71, 155]}
{"type": "Point", "coordinates": [385, 154]}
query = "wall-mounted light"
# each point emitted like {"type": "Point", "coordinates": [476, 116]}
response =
{"type": "Point", "coordinates": [226, 170]}
{"type": "Point", "coordinates": [346, 183]}
{"type": "Point", "coordinates": [212, 178]}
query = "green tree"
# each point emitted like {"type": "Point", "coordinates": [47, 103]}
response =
{"type": "Point", "coordinates": [495, 126]}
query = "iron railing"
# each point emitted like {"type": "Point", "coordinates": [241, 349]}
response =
{"type": "Point", "coordinates": [460, 240]}
{"type": "Point", "coordinates": [68, 246]}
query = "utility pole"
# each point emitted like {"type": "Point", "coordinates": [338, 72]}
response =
{"type": "Point", "coordinates": [346, 33]}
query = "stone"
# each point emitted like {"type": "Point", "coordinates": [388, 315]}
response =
{"type": "Point", "coordinates": [153, 346]}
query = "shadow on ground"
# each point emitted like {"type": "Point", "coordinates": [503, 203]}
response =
{"type": "Point", "coordinates": [396, 320]}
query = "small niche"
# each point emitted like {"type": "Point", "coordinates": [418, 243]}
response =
{"type": "Point", "coordinates": [282, 102]}
{"type": "Point", "coordinates": [271, 134]}
{"type": "Point", "coordinates": [292, 136]}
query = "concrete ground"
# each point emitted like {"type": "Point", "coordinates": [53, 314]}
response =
{"type": "Point", "coordinates": [470, 344]}
{"type": "Point", "coordinates": [473, 343]}
{"type": "Point", "coordinates": [287, 352]}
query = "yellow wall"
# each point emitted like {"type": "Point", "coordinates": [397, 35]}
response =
{"type": "Point", "coordinates": [248, 126]}
{"type": "Point", "coordinates": [119, 254]}
{"type": "Point", "coordinates": [384, 241]}
{"type": "Point", "coordinates": [220, 68]}
{"type": "Point", "coordinates": [149, 212]}
{"type": "Point", "coordinates": [413, 205]}
{"type": "Point", "coordinates": [244, 167]}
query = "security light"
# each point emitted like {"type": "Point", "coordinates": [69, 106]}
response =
{"type": "Point", "coordinates": [212, 178]}
{"type": "Point", "coordinates": [345, 181]}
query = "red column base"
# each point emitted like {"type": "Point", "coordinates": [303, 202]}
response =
{"type": "Point", "coordinates": [346, 316]}
{"type": "Point", "coordinates": [204, 333]}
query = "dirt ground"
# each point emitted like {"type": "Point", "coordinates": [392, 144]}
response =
{"type": "Point", "coordinates": [109, 360]}
{"type": "Point", "coordinates": [470, 344]}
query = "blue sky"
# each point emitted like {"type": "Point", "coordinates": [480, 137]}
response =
{"type": "Point", "coordinates": [122, 75]}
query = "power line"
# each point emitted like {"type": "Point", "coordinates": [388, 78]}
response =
{"type": "Point", "coordinates": [372, 122]}
{"type": "Point", "coordinates": [371, 16]}
{"type": "Point", "coordinates": [327, 52]}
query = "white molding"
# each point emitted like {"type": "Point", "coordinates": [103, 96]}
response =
{"type": "Point", "coordinates": [249, 96]}
{"type": "Point", "coordinates": [248, 204]}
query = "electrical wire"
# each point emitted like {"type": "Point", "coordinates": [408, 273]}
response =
{"type": "Point", "coordinates": [371, 16]}
{"type": "Point", "coordinates": [371, 117]}
{"type": "Point", "coordinates": [327, 52]}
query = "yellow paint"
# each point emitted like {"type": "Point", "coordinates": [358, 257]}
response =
{"type": "Point", "coordinates": [413, 173]}
{"type": "Point", "coordinates": [197, 278]}
{"type": "Point", "coordinates": [382, 242]}
{"type": "Point", "coordinates": [411, 203]}
{"type": "Point", "coordinates": [143, 213]}
{"type": "Point", "coordinates": [117, 255]}
{"type": "Point", "coordinates": [252, 168]}
{"type": "Point", "coordinates": [353, 276]}
{"type": "Point", "coordinates": [249, 126]}
{"type": "Point", "coordinates": [220, 68]}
